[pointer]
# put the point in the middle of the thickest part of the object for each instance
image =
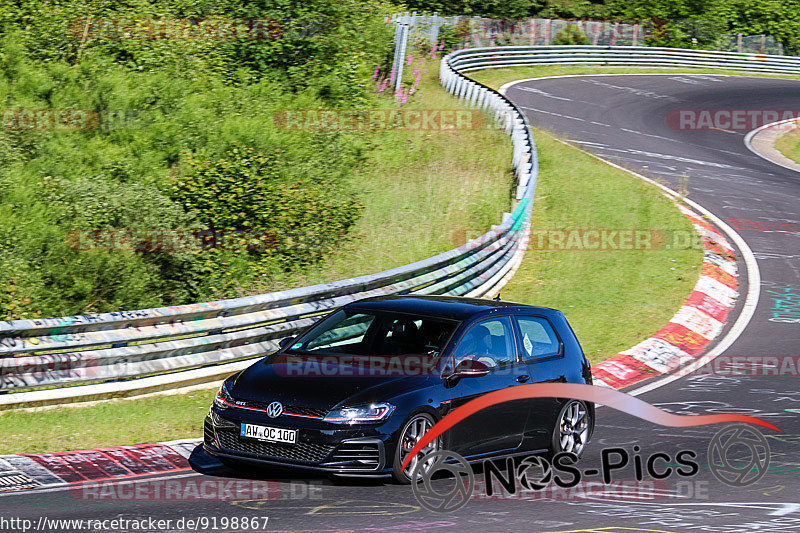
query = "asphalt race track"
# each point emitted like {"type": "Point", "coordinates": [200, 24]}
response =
{"type": "Point", "coordinates": [622, 119]}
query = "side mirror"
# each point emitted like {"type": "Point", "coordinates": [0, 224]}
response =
{"type": "Point", "coordinates": [286, 342]}
{"type": "Point", "coordinates": [470, 368]}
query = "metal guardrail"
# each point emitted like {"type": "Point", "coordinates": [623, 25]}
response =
{"type": "Point", "coordinates": [470, 59]}
{"type": "Point", "coordinates": [132, 352]}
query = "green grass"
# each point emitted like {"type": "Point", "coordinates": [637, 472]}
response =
{"type": "Point", "coordinates": [426, 193]}
{"type": "Point", "coordinates": [789, 145]}
{"type": "Point", "coordinates": [615, 298]}
{"type": "Point", "coordinates": [110, 423]}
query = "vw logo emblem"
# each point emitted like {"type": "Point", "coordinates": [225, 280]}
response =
{"type": "Point", "coordinates": [274, 409]}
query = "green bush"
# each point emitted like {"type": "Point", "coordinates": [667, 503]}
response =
{"type": "Point", "coordinates": [158, 101]}
{"type": "Point", "coordinates": [296, 222]}
{"type": "Point", "coordinates": [449, 38]}
{"type": "Point", "coordinates": [571, 35]}
{"type": "Point", "coordinates": [14, 308]}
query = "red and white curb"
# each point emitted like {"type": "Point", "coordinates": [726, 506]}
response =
{"type": "Point", "coordinates": [696, 324]}
{"type": "Point", "coordinates": [44, 470]}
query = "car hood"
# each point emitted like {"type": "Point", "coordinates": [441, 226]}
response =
{"type": "Point", "coordinates": [269, 380]}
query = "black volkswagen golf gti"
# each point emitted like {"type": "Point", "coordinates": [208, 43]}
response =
{"type": "Point", "coordinates": [354, 392]}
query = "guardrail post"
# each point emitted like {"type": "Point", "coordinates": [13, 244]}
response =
{"type": "Point", "coordinates": [482, 98]}
{"type": "Point", "coordinates": [397, 33]}
{"type": "Point", "coordinates": [401, 56]}
{"type": "Point", "coordinates": [436, 23]}
{"type": "Point", "coordinates": [462, 88]}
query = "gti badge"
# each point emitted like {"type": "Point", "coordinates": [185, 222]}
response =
{"type": "Point", "coordinates": [274, 409]}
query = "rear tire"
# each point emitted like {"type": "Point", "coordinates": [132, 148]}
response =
{"type": "Point", "coordinates": [414, 428]}
{"type": "Point", "coordinates": [573, 429]}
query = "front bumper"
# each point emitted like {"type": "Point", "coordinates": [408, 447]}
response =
{"type": "Point", "coordinates": [341, 451]}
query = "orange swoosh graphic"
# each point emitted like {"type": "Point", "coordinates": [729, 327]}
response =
{"type": "Point", "coordinates": [588, 393]}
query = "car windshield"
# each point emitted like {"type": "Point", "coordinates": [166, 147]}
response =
{"type": "Point", "coordinates": [360, 332]}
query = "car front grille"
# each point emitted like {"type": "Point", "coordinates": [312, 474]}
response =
{"type": "Point", "coordinates": [303, 451]}
{"type": "Point", "coordinates": [296, 409]}
{"type": "Point", "coordinates": [307, 411]}
{"type": "Point", "coordinates": [357, 455]}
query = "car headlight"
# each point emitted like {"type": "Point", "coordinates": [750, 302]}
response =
{"type": "Point", "coordinates": [376, 412]}
{"type": "Point", "coordinates": [223, 397]}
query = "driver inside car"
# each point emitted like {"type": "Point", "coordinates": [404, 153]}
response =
{"type": "Point", "coordinates": [477, 345]}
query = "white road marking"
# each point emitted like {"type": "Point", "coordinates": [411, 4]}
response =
{"type": "Point", "coordinates": [551, 113]}
{"type": "Point", "coordinates": [634, 90]}
{"type": "Point", "coordinates": [674, 158]}
{"type": "Point", "coordinates": [690, 81]}
{"type": "Point", "coordinates": [659, 137]}
{"type": "Point", "coordinates": [585, 142]}
{"type": "Point", "coordinates": [542, 93]}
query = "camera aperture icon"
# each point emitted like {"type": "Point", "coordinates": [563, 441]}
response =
{"type": "Point", "coordinates": [526, 473]}
{"type": "Point", "coordinates": [456, 496]}
{"type": "Point", "coordinates": [738, 455]}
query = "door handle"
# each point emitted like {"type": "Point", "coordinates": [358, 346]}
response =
{"type": "Point", "coordinates": [523, 378]}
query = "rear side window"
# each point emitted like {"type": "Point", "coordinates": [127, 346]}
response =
{"type": "Point", "coordinates": [539, 339]}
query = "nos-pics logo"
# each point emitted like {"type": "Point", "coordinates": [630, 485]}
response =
{"type": "Point", "coordinates": [738, 456]}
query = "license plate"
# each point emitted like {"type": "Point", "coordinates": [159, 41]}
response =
{"type": "Point", "coordinates": [269, 434]}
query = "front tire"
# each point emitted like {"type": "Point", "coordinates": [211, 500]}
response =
{"type": "Point", "coordinates": [413, 430]}
{"type": "Point", "coordinates": [573, 428]}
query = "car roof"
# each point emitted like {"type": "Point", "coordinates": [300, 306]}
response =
{"type": "Point", "coordinates": [452, 307]}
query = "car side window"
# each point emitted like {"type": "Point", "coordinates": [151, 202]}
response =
{"type": "Point", "coordinates": [539, 339]}
{"type": "Point", "coordinates": [490, 341]}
